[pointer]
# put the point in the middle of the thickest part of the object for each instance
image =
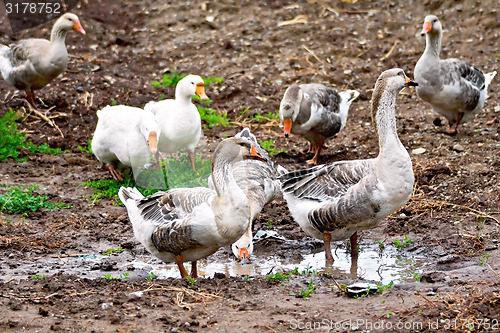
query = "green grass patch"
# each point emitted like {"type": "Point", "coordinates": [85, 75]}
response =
{"type": "Point", "coordinates": [21, 200]}
{"type": "Point", "coordinates": [175, 172]}
{"type": "Point", "coordinates": [212, 117]}
{"type": "Point", "coordinates": [174, 78]}
{"type": "Point", "coordinates": [258, 117]}
{"type": "Point", "coordinates": [268, 145]}
{"type": "Point", "coordinates": [13, 143]}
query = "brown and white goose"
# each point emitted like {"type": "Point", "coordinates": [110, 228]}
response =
{"type": "Point", "coordinates": [454, 88]}
{"type": "Point", "coordinates": [315, 112]}
{"type": "Point", "coordinates": [187, 224]}
{"type": "Point", "coordinates": [334, 201]}
{"type": "Point", "coordinates": [33, 63]}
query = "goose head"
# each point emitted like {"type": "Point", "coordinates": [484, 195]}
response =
{"type": "Point", "coordinates": [243, 249]}
{"type": "Point", "coordinates": [236, 149]}
{"type": "Point", "coordinates": [150, 129]}
{"type": "Point", "coordinates": [189, 86]}
{"type": "Point", "coordinates": [391, 82]}
{"type": "Point", "coordinates": [432, 25]}
{"type": "Point", "coordinates": [68, 22]}
{"type": "Point", "coordinates": [289, 107]}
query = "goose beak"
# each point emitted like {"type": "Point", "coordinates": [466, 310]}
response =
{"type": "Point", "coordinates": [255, 155]}
{"type": "Point", "coordinates": [426, 29]}
{"type": "Point", "coordinates": [78, 27]}
{"type": "Point", "coordinates": [244, 256]}
{"type": "Point", "coordinates": [153, 142]}
{"type": "Point", "coordinates": [200, 91]}
{"type": "Point", "coordinates": [287, 123]}
{"type": "Point", "coordinates": [410, 83]}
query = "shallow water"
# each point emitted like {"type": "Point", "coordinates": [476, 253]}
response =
{"type": "Point", "coordinates": [372, 264]}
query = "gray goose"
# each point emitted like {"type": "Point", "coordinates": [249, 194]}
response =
{"type": "Point", "coordinates": [332, 202]}
{"type": "Point", "coordinates": [454, 88]}
{"type": "Point", "coordinates": [258, 181]}
{"type": "Point", "coordinates": [315, 112]}
{"type": "Point", "coordinates": [187, 224]}
{"type": "Point", "coordinates": [33, 63]}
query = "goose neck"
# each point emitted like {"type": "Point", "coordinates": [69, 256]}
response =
{"type": "Point", "coordinates": [57, 35]}
{"type": "Point", "coordinates": [385, 120]}
{"type": "Point", "coordinates": [433, 44]}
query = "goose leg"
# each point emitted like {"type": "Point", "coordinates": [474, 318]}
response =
{"type": "Point", "coordinates": [114, 173]}
{"type": "Point", "coordinates": [312, 148]}
{"type": "Point", "coordinates": [194, 270]}
{"type": "Point", "coordinates": [30, 96]}
{"type": "Point", "coordinates": [354, 244]}
{"type": "Point", "coordinates": [314, 160]}
{"type": "Point", "coordinates": [191, 158]}
{"type": "Point", "coordinates": [453, 130]}
{"type": "Point", "coordinates": [327, 237]}
{"type": "Point", "coordinates": [179, 260]}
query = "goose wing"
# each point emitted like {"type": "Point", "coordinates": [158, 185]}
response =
{"type": "Point", "coordinates": [171, 211]}
{"type": "Point", "coordinates": [325, 182]}
{"type": "Point", "coordinates": [469, 79]}
{"type": "Point", "coordinates": [328, 101]}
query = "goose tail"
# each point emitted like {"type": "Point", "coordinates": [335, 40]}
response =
{"type": "Point", "coordinates": [129, 196]}
{"type": "Point", "coordinates": [5, 61]}
{"type": "Point", "coordinates": [488, 77]}
{"type": "Point", "coordinates": [347, 97]}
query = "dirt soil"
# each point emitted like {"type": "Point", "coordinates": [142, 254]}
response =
{"type": "Point", "coordinates": [453, 217]}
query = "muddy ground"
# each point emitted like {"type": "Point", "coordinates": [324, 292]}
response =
{"type": "Point", "coordinates": [453, 217]}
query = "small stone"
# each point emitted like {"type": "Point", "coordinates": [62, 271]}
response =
{"type": "Point", "coordinates": [79, 89]}
{"type": "Point", "coordinates": [418, 151]}
{"type": "Point", "coordinates": [105, 306]}
{"type": "Point", "coordinates": [458, 147]}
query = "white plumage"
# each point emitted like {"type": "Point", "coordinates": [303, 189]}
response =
{"type": "Point", "coordinates": [125, 137]}
{"type": "Point", "coordinates": [179, 117]}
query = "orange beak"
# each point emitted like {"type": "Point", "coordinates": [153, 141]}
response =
{"type": "Point", "coordinates": [78, 27]}
{"type": "Point", "coordinates": [255, 155]}
{"type": "Point", "coordinates": [426, 29]}
{"type": "Point", "coordinates": [244, 256]}
{"type": "Point", "coordinates": [153, 142]}
{"type": "Point", "coordinates": [200, 91]}
{"type": "Point", "coordinates": [287, 123]}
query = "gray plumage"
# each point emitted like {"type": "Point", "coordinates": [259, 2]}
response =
{"type": "Point", "coordinates": [332, 202]}
{"type": "Point", "coordinates": [454, 88]}
{"type": "Point", "coordinates": [315, 112]}
{"type": "Point", "coordinates": [33, 63]}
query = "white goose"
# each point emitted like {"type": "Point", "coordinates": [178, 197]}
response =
{"type": "Point", "coordinates": [258, 181]}
{"type": "Point", "coordinates": [332, 202]}
{"type": "Point", "coordinates": [187, 224]}
{"type": "Point", "coordinates": [315, 112]}
{"type": "Point", "coordinates": [125, 137]}
{"type": "Point", "coordinates": [454, 88]}
{"type": "Point", "coordinates": [33, 63]}
{"type": "Point", "coordinates": [179, 118]}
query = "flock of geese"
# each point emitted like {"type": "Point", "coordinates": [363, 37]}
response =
{"type": "Point", "coordinates": [330, 202]}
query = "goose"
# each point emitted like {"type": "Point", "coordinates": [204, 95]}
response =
{"type": "Point", "coordinates": [187, 224]}
{"type": "Point", "coordinates": [258, 181]}
{"type": "Point", "coordinates": [332, 202]}
{"type": "Point", "coordinates": [454, 88]}
{"type": "Point", "coordinates": [33, 63]}
{"type": "Point", "coordinates": [315, 112]}
{"type": "Point", "coordinates": [125, 136]}
{"type": "Point", "coordinates": [179, 118]}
